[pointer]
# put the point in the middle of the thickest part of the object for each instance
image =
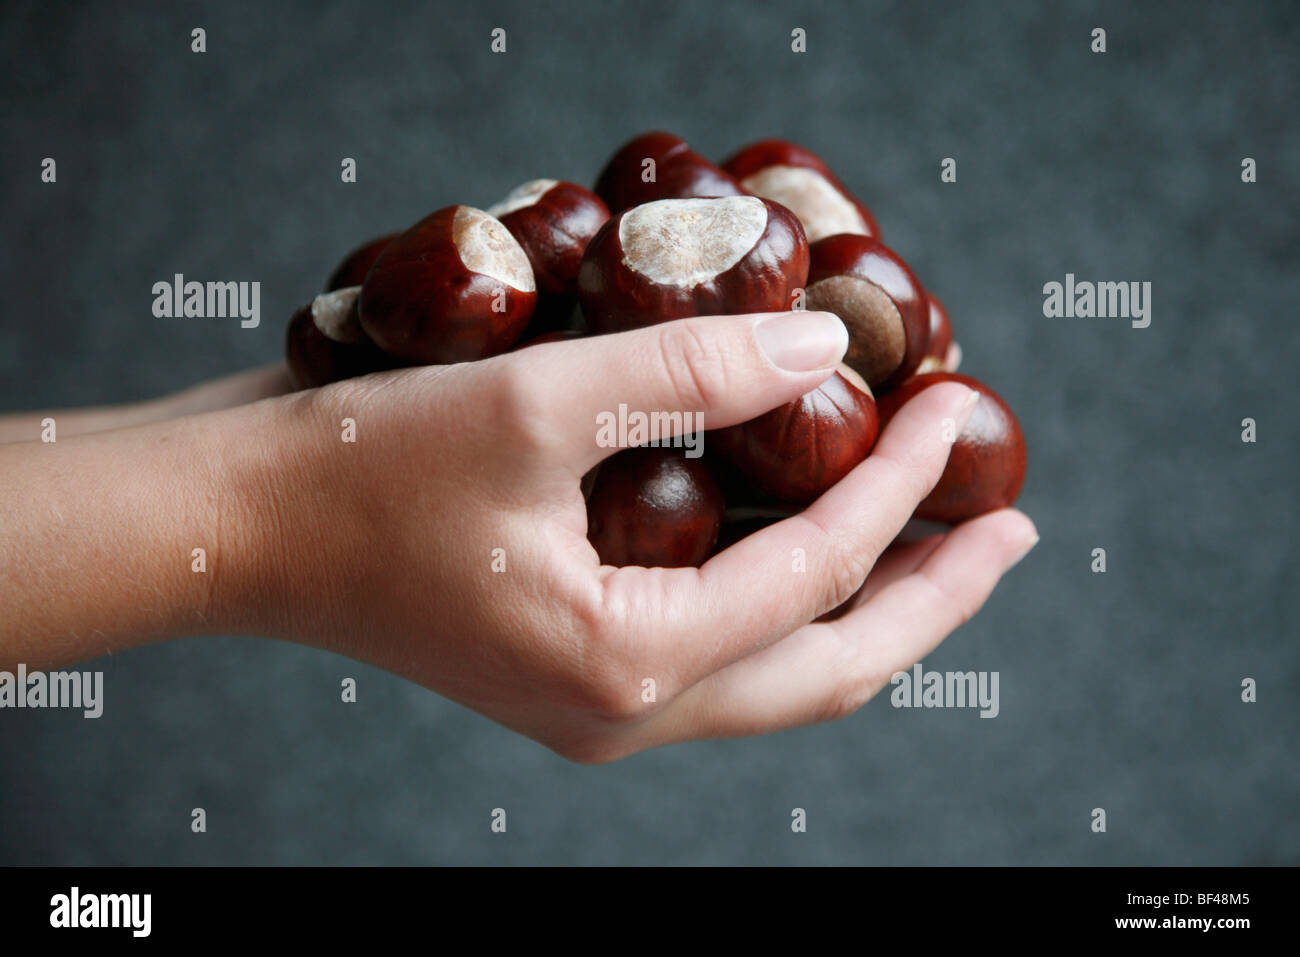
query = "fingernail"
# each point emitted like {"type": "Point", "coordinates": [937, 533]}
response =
{"type": "Point", "coordinates": [802, 341]}
{"type": "Point", "coordinates": [1027, 545]}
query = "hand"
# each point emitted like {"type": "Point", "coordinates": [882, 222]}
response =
{"type": "Point", "coordinates": [383, 548]}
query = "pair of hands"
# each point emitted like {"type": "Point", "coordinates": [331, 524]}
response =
{"type": "Point", "coordinates": [447, 543]}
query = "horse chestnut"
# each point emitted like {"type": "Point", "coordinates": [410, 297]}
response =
{"type": "Point", "coordinates": [352, 270]}
{"type": "Point", "coordinates": [986, 466]}
{"type": "Point", "coordinates": [553, 222]}
{"type": "Point", "coordinates": [659, 166]}
{"type": "Point", "coordinates": [736, 528]}
{"type": "Point", "coordinates": [325, 342]}
{"type": "Point", "coordinates": [869, 286]}
{"type": "Point", "coordinates": [795, 452]}
{"type": "Point", "coordinates": [655, 507]}
{"type": "Point", "coordinates": [798, 179]}
{"type": "Point", "coordinates": [455, 287]}
{"type": "Point", "coordinates": [942, 354]}
{"type": "Point", "coordinates": [940, 330]}
{"type": "Point", "coordinates": [692, 257]}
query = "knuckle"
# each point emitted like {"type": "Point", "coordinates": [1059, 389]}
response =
{"type": "Point", "coordinates": [965, 610]}
{"type": "Point", "coordinates": [517, 402]}
{"type": "Point", "coordinates": [847, 573]}
{"type": "Point", "coordinates": [695, 363]}
{"type": "Point", "coordinates": [603, 690]}
{"type": "Point", "coordinates": [846, 568]}
{"type": "Point", "coordinates": [859, 686]}
{"type": "Point", "coordinates": [621, 679]}
{"type": "Point", "coordinates": [916, 477]}
{"type": "Point", "coordinates": [858, 676]}
{"type": "Point", "coordinates": [590, 614]}
{"type": "Point", "coordinates": [963, 605]}
{"type": "Point", "coordinates": [844, 701]}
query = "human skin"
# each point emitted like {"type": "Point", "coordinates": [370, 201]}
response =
{"type": "Point", "coordinates": [390, 549]}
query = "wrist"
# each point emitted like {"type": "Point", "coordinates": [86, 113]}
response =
{"type": "Point", "coordinates": [281, 517]}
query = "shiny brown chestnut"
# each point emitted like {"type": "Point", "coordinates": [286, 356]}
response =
{"type": "Point", "coordinates": [352, 270]}
{"type": "Point", "coordinates": [325, 342]}
{"type": "Point", "coordinates": [653, 506]}
{"type": "Point", "coordinates": [455, 287]}
{"type": "Point", "coordinates": [738, 524]}
{"type": "Point", "coordinates": [797, 178]}
{"type": "Point", "coordinates": [692, 257]}
{"type": "Point", "coordinates": [797, 451]}
{"type": "Point", "coordinates": [659, 165]}
{"type": "Point", "coordinates": [868, 285]}
{"type": "Point", "coordinates": [554, 221]}
{"type": "Point", "coordinates": [940, 330]}
{"type": "Point", "coordinates": [555, 314]}
{"type": "Point", "coordinates": [936, 352]}
{"type": "Point", "coordinates": [986, 466]}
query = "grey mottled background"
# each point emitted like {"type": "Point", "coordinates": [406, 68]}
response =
{"type": "Point", "coordinates": [1118, 690]}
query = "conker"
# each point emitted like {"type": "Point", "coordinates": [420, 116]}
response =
{"type": "Point", "coordinates": [795, 452]}
{"type": "Point", "coordinates": [940, 330]}
{"type": "Point", "coordinates": [868, 285]}
{"type": "Point", "coordinates": [455, 287]}
{"type": "Point", "coordinates": [653, 506]}
{"type": "Point", "coordinates": [352, 270]}
{"type": "Point", "coordinates": [692, 257]}
{"type": "Point", "coordinates": [553, 222]}
{"type": "Point", "coordinates": [986, 466]}
{"type": "Point", "coordinates": [736, 529]}
{"type": "Point", "coordinates": [325, 342]}
{"type": "Point", "coordinates": [674, 171]}
{"type": "Point", "coordinates": [797, 178]}
{"type": "Point", "coordinates": [936, 353]}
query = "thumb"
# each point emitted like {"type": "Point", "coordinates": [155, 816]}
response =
{"type": "Point", "coordinates": [724, 369]}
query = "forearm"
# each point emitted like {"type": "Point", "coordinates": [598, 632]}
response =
{"type": "Point", "coordinates": [224, 393]}
{"type": "Point", "coordinates": [119, 539]}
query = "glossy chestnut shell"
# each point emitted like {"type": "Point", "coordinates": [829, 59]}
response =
{"type": "Point", "coordinates": [553, 221]}
{"type": "Point", "coordinates": [652, 506]}
{"type": "Point", "coordinates": [316, 358]}
{"type": "Point", "coordinates": [737, 528]}
{"type": "Point", "coordinates": [986, 467]}
{"type": "Point", "coordinates": [352, 270]}
{"type": "Point", "coordinates": [676, 258]}
{"type": "Point", "coordinates": [940, 330]}
{"type": "Point", "coordinates": [873, 290]}
{"type": "Point", "coordinates": [679, 173]}
{"type": "Point", "coordinates": [795, 452]}
{"type": "Point", "coordinates": [455, 287]}
{"type": "Point", "coordinates": [797, 178]}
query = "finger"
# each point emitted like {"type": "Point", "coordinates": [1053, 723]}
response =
{"type": "Point", "coordinates": [899, 560]}
{"type": "Point", "coordinates": [827, 671]}
{"type": "Point", "coordinates": [774, 580]}
{"type": "Point", "coordinates": [687, 375]}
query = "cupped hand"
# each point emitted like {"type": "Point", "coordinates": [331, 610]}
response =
{"type": "Point", "coordinates": [447, 541]}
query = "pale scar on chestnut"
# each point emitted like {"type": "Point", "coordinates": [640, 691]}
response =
{"type": "Point", "coordinates": [685, 242]}
{"type": "Point", "coordinates": [487, 248]}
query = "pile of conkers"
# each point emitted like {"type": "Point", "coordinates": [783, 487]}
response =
{"type": "Point", "coordinates": [666, 234]}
